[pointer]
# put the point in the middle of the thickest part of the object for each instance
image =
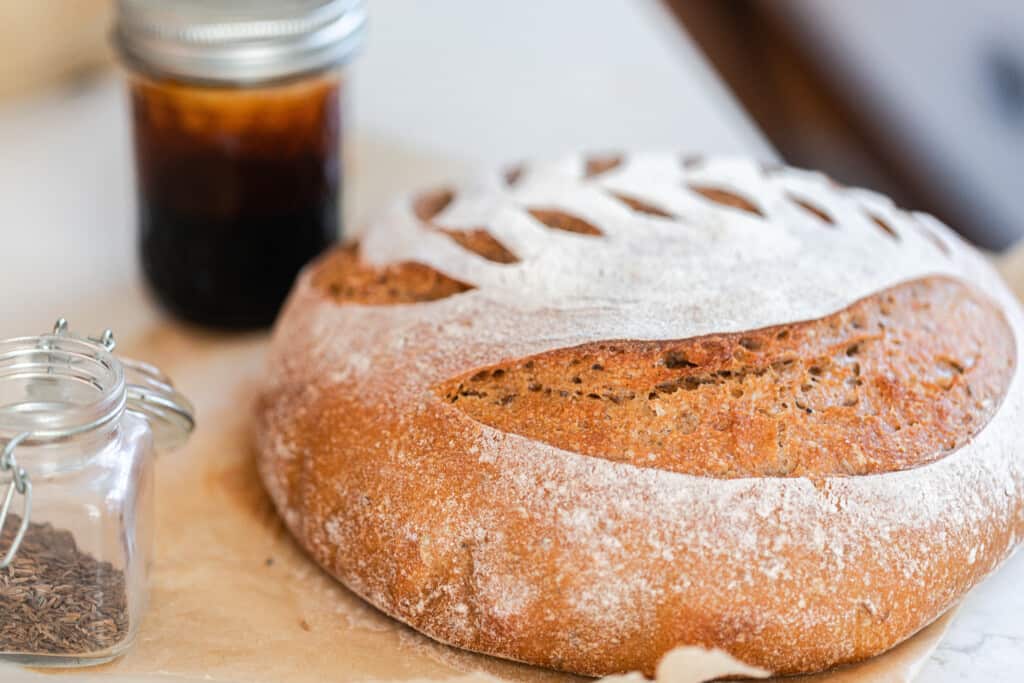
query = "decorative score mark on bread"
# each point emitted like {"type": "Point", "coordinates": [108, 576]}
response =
{"type": "Point", "coordinates": [347, 279]}
{"type": "Point", "coordinates": [562, 220]}
{"type": "Point", "coordinates": [813, 209]}
{"type": "Point", "coordinates": [718, 426]}
{"type": "Point", "coordinates": [642, 206]}
{"type": "Point", "coordinates": [428, 205]}
{"type": "Point", "coordinates": [483, 244]}
{"type": "Point", "coordinates": [601, 164]}
{"type": "Point", "coordinates": [884, 226]}
{"type": "Point", "coordinates": [884, 385]}
{"type": "Point", "coordinates": [726, 198]}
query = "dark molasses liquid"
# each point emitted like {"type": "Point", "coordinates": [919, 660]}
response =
{"type": "Point", "coordinates": [238, 189]}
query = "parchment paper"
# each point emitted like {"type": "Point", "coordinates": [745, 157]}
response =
{"type": "Point", "coordinates": [234, 599]}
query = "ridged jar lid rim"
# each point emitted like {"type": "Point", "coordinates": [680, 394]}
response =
{"type": "Point", "coordinates": [238, 42]}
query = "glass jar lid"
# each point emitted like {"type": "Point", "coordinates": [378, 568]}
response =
{"type": "Point", "coordinates": [238, 41]}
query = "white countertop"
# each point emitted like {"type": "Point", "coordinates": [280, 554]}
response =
{"type": "Point", "coordinates": [443, 88]}
{"type": "Point", "coordinates": [986, 641]}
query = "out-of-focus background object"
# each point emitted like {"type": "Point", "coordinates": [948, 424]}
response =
{"type": "Point", "coordinates": [238, 136]}
{"type": "Point", "coordinates": [921, 100]}
{"type": "Point", "coordinates": [49, 40]}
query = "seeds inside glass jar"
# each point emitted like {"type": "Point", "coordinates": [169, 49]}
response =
{"type": "Point", "coordinates": [56, 599]}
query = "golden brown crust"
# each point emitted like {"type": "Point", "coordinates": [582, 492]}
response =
{"type": "Point", "coordinates": [497, 538]}
{"type": "Point", "coordinates": [884, 385]}
{"type": "Point", "coordinates": [726, 198]}
{"type": "Point", "coordinates": [597, 165]}
{"type": "Point", "coordinates": [482, 243]}
{"type": "Point", "coordinates": [641, 206]}
{"type": "Point", "coordinates": [428, 204]}
{"type": "Point", "coordinates": [560, 220]}
{"type": "Point", "coordinates": [437, 584]}
{"type": "Point", "coordinates": [346, 279]}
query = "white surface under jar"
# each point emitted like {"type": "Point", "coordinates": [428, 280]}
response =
{"type": "Point", "coordinates": [79, 429]}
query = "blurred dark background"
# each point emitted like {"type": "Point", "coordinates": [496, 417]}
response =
{"type": "Point", "coordinates": [921, 100]}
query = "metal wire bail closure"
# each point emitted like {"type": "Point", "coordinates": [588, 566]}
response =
{"type": "Point", "coordinates": [150, 393]}
{"type": "Point", "coordinates": [21, 484]}
{"type": "Point", "coordinates": [134, 386]}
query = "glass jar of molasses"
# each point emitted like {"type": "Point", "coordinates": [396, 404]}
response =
{"type": "Point", "coordinates": [236, 107]}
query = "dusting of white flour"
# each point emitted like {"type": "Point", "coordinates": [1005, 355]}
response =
{"type": "Point", "coordinates": [649, 537]}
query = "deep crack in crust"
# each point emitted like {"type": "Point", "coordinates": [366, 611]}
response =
{"type": "Point", "coordinates": [895, 381]}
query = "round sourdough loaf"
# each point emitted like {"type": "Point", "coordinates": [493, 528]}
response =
{"type": "Point", "coordinates": [584, 411]}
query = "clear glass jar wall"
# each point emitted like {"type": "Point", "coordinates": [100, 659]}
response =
{"type": "Point", "coordinates": [77, 476]}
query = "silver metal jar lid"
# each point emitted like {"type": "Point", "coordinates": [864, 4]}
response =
{"type": "Point", "coordinates": [238, 41]}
